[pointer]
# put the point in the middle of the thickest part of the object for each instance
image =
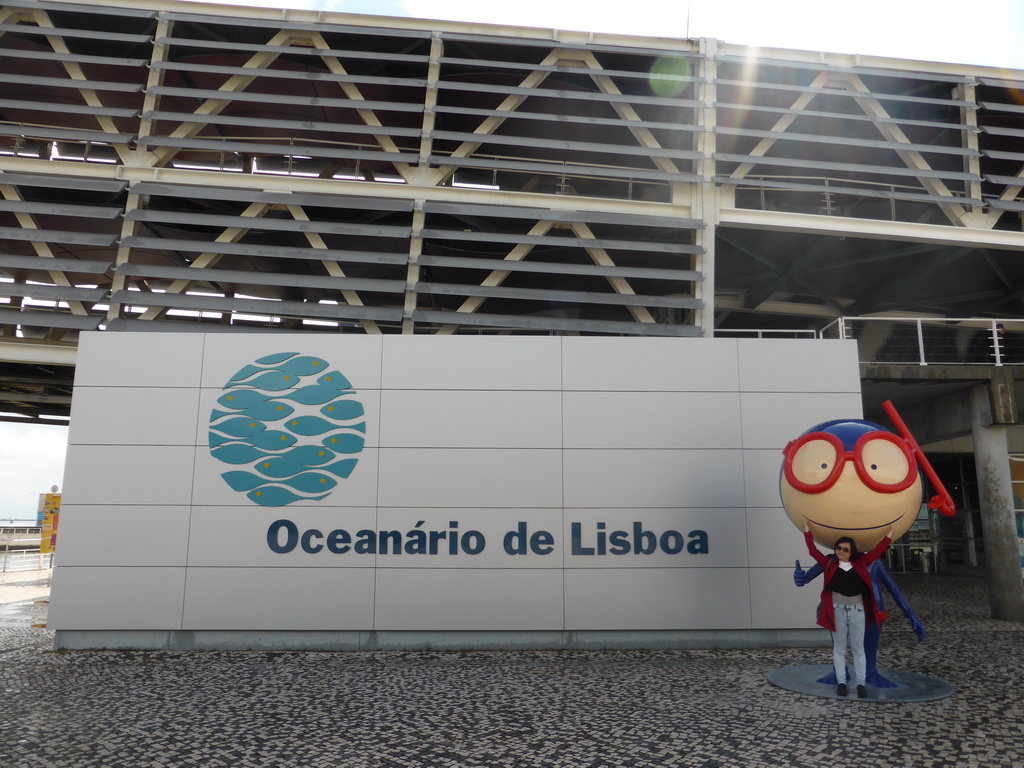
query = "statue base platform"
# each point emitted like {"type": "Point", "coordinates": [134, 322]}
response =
{"type": "Point", "coordinates": [910, 686]}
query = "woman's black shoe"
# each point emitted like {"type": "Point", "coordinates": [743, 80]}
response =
{"type": "Point", "coordinates": [841, 689]}
{"type": "Point", "coordinates": [862, 692]}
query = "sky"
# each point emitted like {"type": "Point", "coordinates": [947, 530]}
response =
{"type": "Point", "coordinates": [990, 32]}
{"type": "Point", "coordinates": [31, 461]}
{"type": "Point", "coordinates": [32, 457]}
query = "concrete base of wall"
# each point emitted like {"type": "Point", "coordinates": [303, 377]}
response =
{"type": "Point", "coordinates": [254, 640]}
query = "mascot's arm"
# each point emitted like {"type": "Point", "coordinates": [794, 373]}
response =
{"type": "Point", "coordinates": [802, 577]}
{"type": "Point", "coordinates": [879, 577]}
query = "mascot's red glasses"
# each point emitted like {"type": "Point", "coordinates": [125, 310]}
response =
{"type": "Point", "coordinates": [884, 462]}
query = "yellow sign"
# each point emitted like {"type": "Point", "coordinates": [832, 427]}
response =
{"type": "Point", "coordinates": [51, 515]}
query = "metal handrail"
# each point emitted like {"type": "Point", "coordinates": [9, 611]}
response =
{"type": "Point", "coordinates": [930, 341]}
{"type": "Point", "coordinates": [771, 333]}
{"type": "Point", "coordinates": [902, 340]}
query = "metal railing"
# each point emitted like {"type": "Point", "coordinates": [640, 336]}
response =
{"type": "Point", "coordinates": [15, 560]}
{"type": "Point", "coordinates": [930, 341]}
{"type": "Point", "coordinates": [19, 548]}
{"type": "Point", "coordinates": [765, 333]}
{"type": "Point", "coordinates": [832, 195]}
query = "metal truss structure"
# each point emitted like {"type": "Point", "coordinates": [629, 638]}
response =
{"type": "Point", "coordinates": [168, 166]}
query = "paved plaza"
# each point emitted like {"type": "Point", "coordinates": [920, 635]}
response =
{"type": "Point", "coordinates": [705, 709]}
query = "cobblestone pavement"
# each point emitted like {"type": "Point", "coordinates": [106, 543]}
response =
{"type": "Point", "coordinates": [24, 585]}
{"type": "Point", "coordinates": [706, 709]}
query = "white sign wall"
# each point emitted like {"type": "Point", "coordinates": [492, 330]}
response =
{"type": "Point", "coordinates": [229, 490]}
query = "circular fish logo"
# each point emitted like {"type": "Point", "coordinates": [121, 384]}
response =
{"type": "Point", "coordinates": [293, 427]}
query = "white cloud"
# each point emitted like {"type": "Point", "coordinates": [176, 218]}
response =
{"type": "Point", "coordinates": [31, 461]}
{"type": "Point", "coordinates": [933, 30]}
{"type": "Point", "coordinates": [644, 17]}
{"type": "Point", "coordinates": [930, 30]}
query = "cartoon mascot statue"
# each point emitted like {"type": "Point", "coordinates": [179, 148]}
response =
{"type": "Point", "coordinates": [854, 478]}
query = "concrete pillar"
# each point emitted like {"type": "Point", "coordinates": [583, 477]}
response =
{"type": "Point", "coordinates": [991, 458]}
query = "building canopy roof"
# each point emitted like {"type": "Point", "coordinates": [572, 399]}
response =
{"type": "Point", "coordinates": [176, 166]}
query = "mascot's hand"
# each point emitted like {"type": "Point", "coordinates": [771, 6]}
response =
{"type": "Point", "coordinates": [799, 575]}
{"type": "Point", "coordinates": [918, 628]}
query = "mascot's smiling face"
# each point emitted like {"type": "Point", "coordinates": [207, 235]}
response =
{"type": "Point", "coordinates": [850, 478]}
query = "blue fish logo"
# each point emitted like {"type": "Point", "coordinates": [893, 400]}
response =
{"type": "Point", "coordinates": [291, 428]}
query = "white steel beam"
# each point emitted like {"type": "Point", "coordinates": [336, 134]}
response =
{"type": "Point", "coordinates": [368, 116]}
{"type": "Point", "coordinates": [969, 139]}
{"type": "Point", "coordinates": [429, 112]}
{"type": "Point", "coordinates": [42, 249]}
{"type": "Point", "coordinates": [163, 155]}
{"type": "Point", "coordinates": [205, 260]}
{"type": "Point", "coordinates": [412, 274]}
{"type": "Point", "coordinates": [34, 352]}
{"type": "Point", "coordinates": [643, 136]}
{"type": "Point", "coordinates": [782, 125]}
{"type": "Point", "coordinates": [118, 282]}
{"type": "Point", "coordinates": [913, 159]}
{"type": "Point", "coordinates": [333, 268]}
{"type": "Point", "coordinates": [619, 284]}
{"type": "Point", "coordinates": [496, 277]}
{"type": "Point", "coordinates": [706, 202]}
{"type": "Point", "coordinates": [489, 125]}
{"type": "Point", "coordinates": [841, 226]}
{"type": "Point", "coordinates": [74, 72]}
{"type": "Point", "coordinates": [154, 79]}
{"type": "Point", "coordinates": [339, 187]}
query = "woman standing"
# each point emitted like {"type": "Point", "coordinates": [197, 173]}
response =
{"type": "Point", "coordinates": [847, 602]}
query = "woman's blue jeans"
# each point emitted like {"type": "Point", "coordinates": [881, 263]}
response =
{"type": "Point", "coordinates": [849, 631]}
